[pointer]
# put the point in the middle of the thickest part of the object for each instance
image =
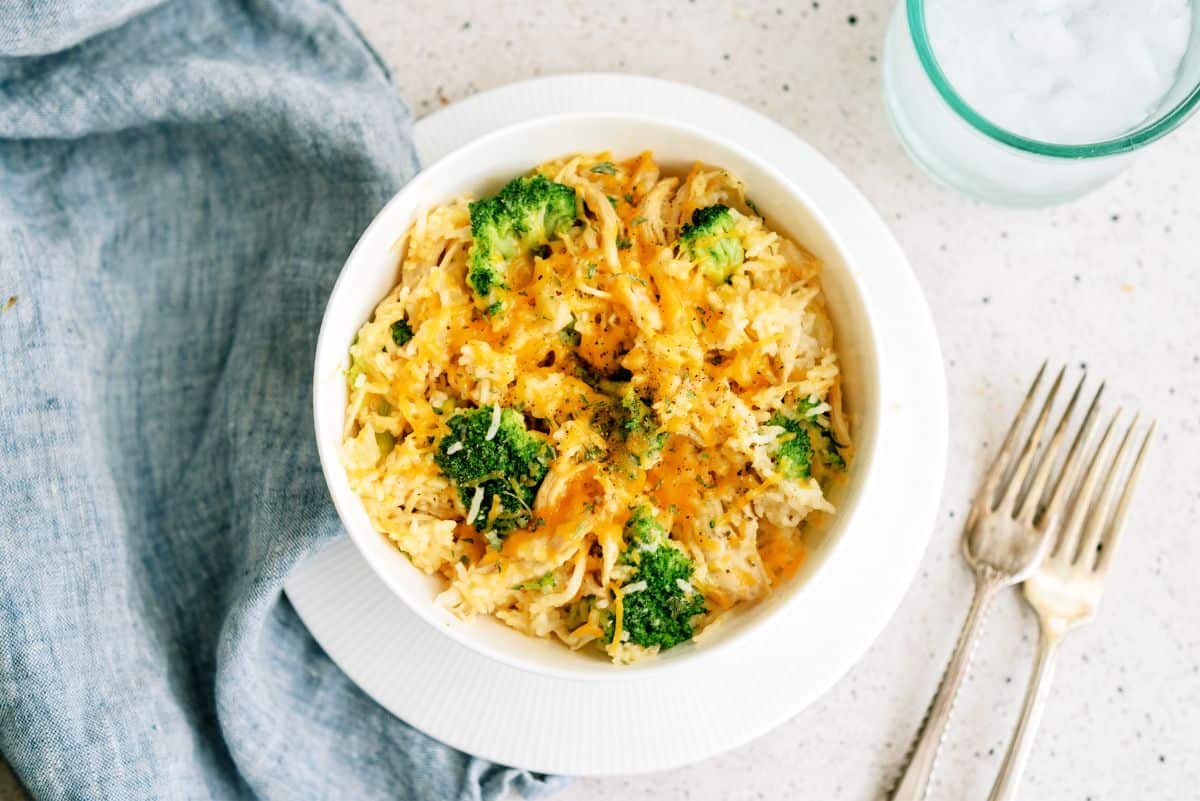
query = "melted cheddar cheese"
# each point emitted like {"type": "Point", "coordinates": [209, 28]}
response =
{"type": "Point", "coordinates": [613, 301]}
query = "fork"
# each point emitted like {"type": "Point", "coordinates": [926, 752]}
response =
{"type": "Point", "coordinates": [1065, 590]}
{"type": "Point", "coordinates": [1003, 545]}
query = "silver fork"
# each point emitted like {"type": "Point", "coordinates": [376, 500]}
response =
{"type": "Point", "coordinates": [1065, 590]}
{"type": "Point", "coordinates": [1003, 546]}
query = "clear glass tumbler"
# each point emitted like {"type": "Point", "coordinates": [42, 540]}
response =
{"type": "Point", "coordinates": [960, 147]}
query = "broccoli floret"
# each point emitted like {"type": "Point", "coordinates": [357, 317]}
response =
{"type": "Point", "coordinates": [827, 446]}
{"type": "Point", "coordinates": [659, 608]}
{"type": "Point", "coordinates": [642, 435]}
{"type": "Point", "coordinates": [710, 244]}
{"type": "Point", "coordinates": [401, 333]}
{"type": "Point", "coordinates": [546, 582]}
{"type": "Point", "coordinates": [586, 610]}
{"type": "Point", "coordinates": [642, 530]}
{"type": "Point", "coordinates": [505, 470]}
{"type": "Point", "coordinates": [524, 216]}
{"type": "Point", "coordinates": [639, 417]}
{"type": "Point", "coordinates": [793, 455]}
{"type": "Point", "coordinates": [805, 437]}
{"type": "Point", "coordinates": [626, 420]}
{"type": "Point", "coordinates": [578, 612]}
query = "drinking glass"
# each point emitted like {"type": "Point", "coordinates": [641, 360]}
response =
{"type": "Point", "coordinates": [962, 148]}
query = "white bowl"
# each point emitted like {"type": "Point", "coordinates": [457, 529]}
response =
{"type": "Point", "coordinates": [481, 167]}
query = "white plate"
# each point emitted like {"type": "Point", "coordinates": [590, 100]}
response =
{"type": "Point", "coordinates": [659, 720]}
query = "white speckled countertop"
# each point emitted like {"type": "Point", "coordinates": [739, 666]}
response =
{"type": "Point", "coordinates": [1112, 280]}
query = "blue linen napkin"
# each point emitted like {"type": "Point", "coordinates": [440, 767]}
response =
{"type": "Point", "coordinates": [179, 185]}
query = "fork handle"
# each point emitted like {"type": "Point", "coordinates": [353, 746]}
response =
{"type": "Point", "coordinates": [1005, 788]}
{"type": "Point", "coordinates": [915, 782]}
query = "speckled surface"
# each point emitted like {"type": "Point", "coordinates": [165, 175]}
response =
{"type": "Point", "coordinates": [1112, 281]}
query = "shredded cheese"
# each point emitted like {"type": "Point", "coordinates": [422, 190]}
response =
{"type": "Point", "coordinates": [495, 426]}
{"type": "Point", "coordinates": [656, 386]}
{"type": "Point", "coordinates": [476, 502]}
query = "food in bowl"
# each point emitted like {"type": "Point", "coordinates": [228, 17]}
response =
{"type": "Point", "coordinates": [604, 404]}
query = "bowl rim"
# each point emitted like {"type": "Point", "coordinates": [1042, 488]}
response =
{"type": "Point", "coordinates": [334, 473]}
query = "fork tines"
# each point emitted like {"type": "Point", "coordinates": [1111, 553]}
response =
{"type": "Point", "coordinates": [1038, 489]}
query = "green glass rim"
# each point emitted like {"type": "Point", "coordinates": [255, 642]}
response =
{"type": "Point", "coordinates": [1144, 134]}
